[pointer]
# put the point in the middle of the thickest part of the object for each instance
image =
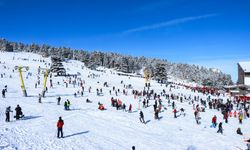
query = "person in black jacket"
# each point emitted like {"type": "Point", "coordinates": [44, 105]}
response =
{"type": "Point", "coordinates": [142, 117]}
{"type": "Point", "coordinates": [238, 131]}
{"type": "Point", "coordinates": [19, 112]}
{"type": "Point", "coordinates": [3, 93]}
{"type": "Point", "coordinates": [220, 130]}
{"type": "Point", "coordinates": [58, 100]}
{"type": "Point", "coordinates": [8, 110]}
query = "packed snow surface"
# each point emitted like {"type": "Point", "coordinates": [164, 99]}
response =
{"type": "Point", "coordinates": [88, 128]}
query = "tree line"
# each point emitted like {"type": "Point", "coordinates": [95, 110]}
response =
{"type": "Point", "coordinates": [159, 69]}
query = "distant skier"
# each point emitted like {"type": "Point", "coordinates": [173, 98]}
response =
{"type": "Point", "coordinates": [68, 104]}
{"type": "Point", "coordinates": [123, 107]}
{"type": "Point", "coordinates": [8, 111]}
{"type": "Point", "coordinates": [141, 117]}
{"type": "Point", "coordinates": [197, 118]}
{"type": "Point", "coordinates": [39, 98]}
{"type": "Point", "coordinates": [214, 121]}
{"type": "Point", "coordinates": [3, 93]}
{"type": "Point", "coordinates": [173, 105]}
{"type": "Point", "coordinates": [220, 130]}
{"type": "Point", "coordinates": [65, 105]}
{"type": "Point", "coordinates": [130, 108]}
{"type": "Point", "coordinates": [144, 103]}
{"type": "Point", "coordinates": [240, 118]}
{"type": "Point", "coordinates": [60, 124]}
{"type": "Point", "coordinates": [175, 112]}
{"type": "Point", "coordinates": [58, 100]}
{"type": "Point", "coordinates": [19, 113]}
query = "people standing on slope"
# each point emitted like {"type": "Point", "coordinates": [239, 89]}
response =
{"type": "Point", "coordinates": [19, 113]}
{"type": "Point", "coordinates": [7, 112]}
{"type": "Point", "coordinates": [141, 117]}
{"type": "Point", "coordinates": [39, 98]}
{"type": "Point", "coordinates": [130, 108]}
{"type": "Point", "coordinates": [60, 124]}
{"type": "Point", "coordinates": [220, 129]}
{"type": "Point", "coordinates": [3, 93]}
{"type": "Point", "coordinates": [58, 100]}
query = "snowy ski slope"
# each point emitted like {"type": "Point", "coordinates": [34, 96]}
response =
{"type": "Point", "coordinates": [87, 128]}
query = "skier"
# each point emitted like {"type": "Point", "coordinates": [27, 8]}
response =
{"type": "Point", "coordinates": [144, 103]}
{"type": "Point", "coordinates": [3, 93]}
{"type": "Point", "coordinates": [175, 111]}
{"type": "Point", "coordinates": [58, 100]}
{"type": "Point", "coordinates": [196, 116]}
{"type": "Point", "coordinates": [173, 105]}
{"type": "Point", "coordinates": [8, 110]}
{"type": "Point", "coordinates": [240, 118]}
{"type": "Point", "coordinates": [19, 113]}
{"type": "Point", "coordinates": [60, 124]}
{"type": "Point", "coordinates": [39, 98]}
{"type": "Point", "coordinates": [133, 147]}
{"type": "Point", "coordinates": [141, 117]}
{"type": "Point", "coordinates": [68, 104]}
{"type": "Point", "coordinates": [214, 123]}
{"type": "Point", "coordinates": [130, 108]}
{"type": "Point", "coordinates": [124, 107]}
{"type": "Point", "coordinates": [65, 105]}
{"type": "Point", "coordinates": [220, 130]}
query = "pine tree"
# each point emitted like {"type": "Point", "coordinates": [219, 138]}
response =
{"type": "Point", "coordinates": [160, 73]}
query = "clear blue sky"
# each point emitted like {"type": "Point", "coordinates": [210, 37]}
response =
{"type": "Point", "coordinates": [213, 33]}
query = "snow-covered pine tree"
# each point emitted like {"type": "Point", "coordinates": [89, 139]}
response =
{"type": "Point", "coordinates": [160, 73]}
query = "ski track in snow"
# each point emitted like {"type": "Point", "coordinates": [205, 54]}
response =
{"type": "Point", "coordinates": [87, 128]}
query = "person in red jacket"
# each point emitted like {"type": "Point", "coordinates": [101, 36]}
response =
{"type": "Point", "coordinates": [175, 111]}
{"type": "Point", "coordinates": [214, 121]}
{"type": "Point", "coordinates": [60, 124]}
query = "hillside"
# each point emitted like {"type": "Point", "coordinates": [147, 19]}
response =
{"type": "Point", "coordinates": [127, 64]}
{"type": "Point", "coordinates": [88, 128]}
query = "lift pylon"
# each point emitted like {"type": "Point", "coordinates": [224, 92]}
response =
{"type": "Point", "coordinates": [21, 70]}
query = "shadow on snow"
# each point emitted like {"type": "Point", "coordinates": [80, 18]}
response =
{"type": "Point", "coordinates": [79, 133]}
{"type": "Point", "coordinates": [30, 117]}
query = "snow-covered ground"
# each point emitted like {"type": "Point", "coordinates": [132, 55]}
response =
{"type": "Point", "coordinates": [87, 128]}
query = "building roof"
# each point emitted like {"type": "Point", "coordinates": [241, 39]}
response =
{"type": "Point", "coordinates": [245, 66]}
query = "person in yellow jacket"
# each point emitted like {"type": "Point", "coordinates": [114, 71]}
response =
{"type": "Point", "coordinates": [240, 118]}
